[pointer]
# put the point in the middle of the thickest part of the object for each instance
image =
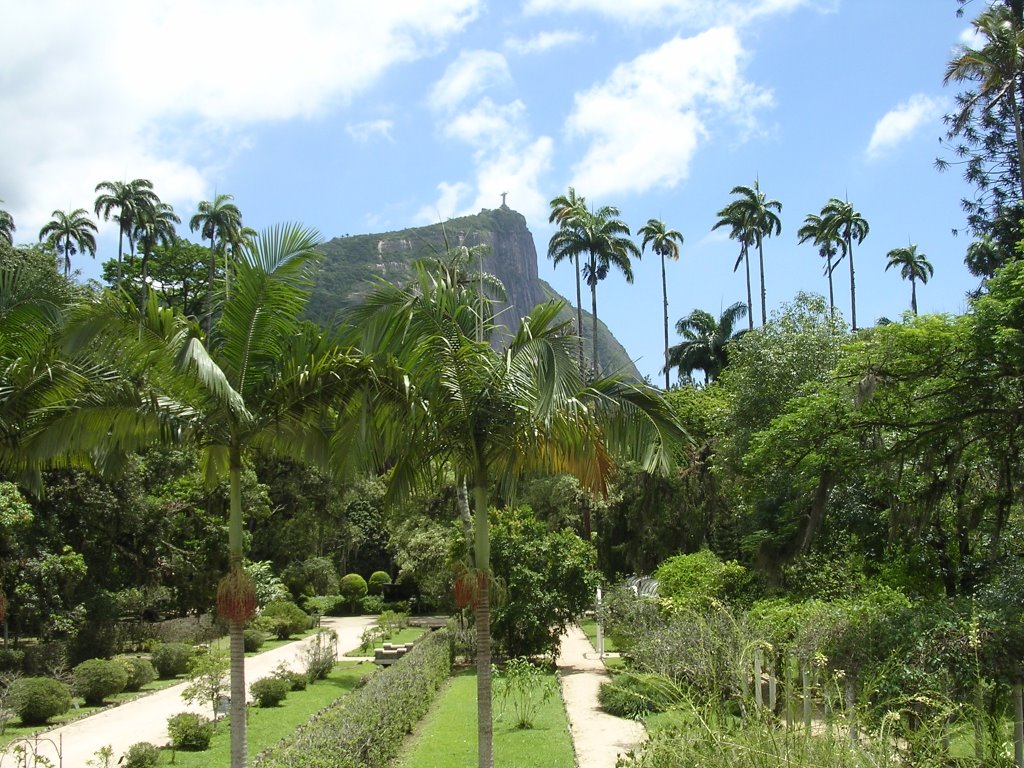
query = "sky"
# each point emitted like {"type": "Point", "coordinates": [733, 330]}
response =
{"type": "Point", "coordinates": [356, 117]}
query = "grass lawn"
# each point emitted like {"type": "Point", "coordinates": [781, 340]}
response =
{"type": "Point", "coordinates": [589, 627]}
{"type": "Point", "coordinates": [447, 736]}
{"type": "Point", "coordinates": [407, 635]}
{"type": "Point", "coordinates": [223, 643]}
{"type": "Point", "coordinates": [268, 726]}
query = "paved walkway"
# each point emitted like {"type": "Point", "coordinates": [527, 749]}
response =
{"type": "Point", "coordinates": [599, 738]}
{"type": "Point", "coordinates": [145, 718]}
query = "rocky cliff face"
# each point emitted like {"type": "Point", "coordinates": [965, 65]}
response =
{"type": "Point", "coordinates": [351, 263]}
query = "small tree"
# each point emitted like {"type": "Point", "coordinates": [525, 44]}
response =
{"type": "Point", "coordinates": [353, 589]}
{"type": "Point", "coordinates": [207, 680]}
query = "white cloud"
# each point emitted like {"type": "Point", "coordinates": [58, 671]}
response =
{"type": "Point", "coordinates": [692, 14]}
{"type": "Point", "coordinates": [645, 122]}
{"type": "Point", "coordinates": [542, 41]}
{"type": "Point", "coordinates": [469, 75]}
{"type": "Point", "coordinates": [113, 90]}
{"type": "Point", "coordinates": [900, 123]}
{"type": "Point", "coordinates": [363, 132]}
{"type": "Point", "coordinates": [972, 38]}
{"type": "Point", "coordinates": [448, 204]}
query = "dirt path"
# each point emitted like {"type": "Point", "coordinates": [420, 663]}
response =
{"type": "Point", "coordinates": [145, 718]}
{"type": "Point", "coordinates": [598, 738]}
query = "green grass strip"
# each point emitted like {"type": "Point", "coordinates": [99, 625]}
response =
{"type": "Point", "coordinates": [589, 627]}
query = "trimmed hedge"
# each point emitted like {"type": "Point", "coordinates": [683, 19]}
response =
{"type": "Point", "coordinates": [37, 699]}
{"type": "Point", "coordinates": [96, 679]}
{"type": "Point", "coordinates": [365, 729]}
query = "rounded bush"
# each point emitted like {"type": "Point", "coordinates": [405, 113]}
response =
{"type": "Point", "coordinates": [141, 755]}
{"type": "Point", "coordinates": [140, 671]}
{"type": "Point", "coordinates": [296, 681]}
{"type": "Point", "coordinates": [269, 691]}
{"type": "Point", "coordinates": [37, 699]}
{"type": "Point", "coordinates": [284, 619]}
{"type": "Point", "coordinates": [353, 588]}
{"type": "Point", "coordinates": [172, 659]}
{"type": "Point", "coordinates": [378, 580]}
{"type": "Point", "coordinates": [96, 679]}
{"type": "Point", "coordinates": [189, 731]}
{"type": "Point", "coordinates": [253, 639]}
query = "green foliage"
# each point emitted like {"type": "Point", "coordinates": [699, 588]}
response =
{"type": "Point", "coordinates": [172, 659]}
{"type": "Point", "coordinates": [372, 604]}
{"type": "Point", "coordinates": [315, 576]}
{"type": "Point", "coordinates": [207, 683]}
{"type": "Point", "coordinates": [378, 580]}
{"type": "Point", "coordinates": [269, 587]}
{"type": "Point", "coordinates": [320, 655]}
{"type": "Point", "coordinates": [189, 731]}
{"type": "Point", "coordinates": [324, 605]}
{"type": "Point", "coordinates": [140, 671]}
{"type": "Point", "coordinates": [628, 617]}
{"type": "Point", "coordinates": [253, 640]}
{"type": "Point", "coordinates": [522, 687]}
{"type": "Point", "coordinates": [142, 754]}
{"type": "Point", "coordinates": [96, 679]}
{"type": "Point", "coordinates": [297, 681]}
{"type": "Point", "coordinates": [695, 581]}
{"type": "Point", "coordinates": [633, 695]}
{"type": "Point", "coordinates": [283, 618]}
{"type": "Point", "coordinates": [36, 699]}
{"type": "Point", "coordinates": [269, 691]}
{"type": "Point", "coordinates": [353, 588]}
{"type": "Point", "coordinates": [366, 728]}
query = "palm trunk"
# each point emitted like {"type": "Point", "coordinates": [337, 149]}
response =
{"type": "Point", "coordinates": [853, 286]}
{"type": "Point", "coordinates": [594, 365]}
{"type": "Point", "coordinates": [482, 615]}
{"type": "Point", "coordinates": [760, 264]}
{"type": "Point", "coordinates": [237, 652]}
{"type": "Point", "coordinates": [120, 251]}
{"type": "Point", "coordinates": [579, 310]}
{"type": "Point", "coordinates": [750, 298]}
{"type": "Point", "coordinates": [831, 295]}
{"type": "Point", "coordinates": [211, 272]}
{"type": "Point", "coordinates": [664, 297]}
{"type": "Point", "coordinates": [67, 257]}
{"type": "Point", "coordinates": [1019, 133]}
{"type": "Point", "coordinates": [913, 295]}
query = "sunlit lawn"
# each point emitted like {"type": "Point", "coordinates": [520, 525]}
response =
{"type": "Point", "coordinates": [589, 627]}
{"type": "Point", "coordinates": [447, 736]}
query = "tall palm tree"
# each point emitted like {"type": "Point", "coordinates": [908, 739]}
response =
{"type": "Point", "coordinates": [740, 230]}
{"type": "Point", "coordinates": [829, 246]}
{"type": "Point", "coordinates": [913, 266]}
{"type": "Point", "coordinates": [263, 381]}
{"type": "Point", "coordinates": [153, 227]}
{"type": "Point", "coordinates": [760, 218]}
{"type": "Point", "coordinates": [604, 238]}
{"type": "Point", "coordinates": [6, 226]}
{"type": "Point", "coordinates": [70, 233]}
{"type": "Point", "coordinates": [706, 340]}
{"type": "Point", "coordinates": [123, 201]}
{"type": "Point", "coordinates": [664, 242]}
{"type": "Point", "coordinates": [840, 218]}
{"type": "Point", "coordinates": [564, 209]}
{"type": "Point", "coordinates": [218, 221]}
{"type": "Point", "coordinates": [492, 418]}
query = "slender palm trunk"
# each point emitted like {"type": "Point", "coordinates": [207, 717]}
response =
{"type": "Point", "coordinates": [67, 256]}
{"type": "Point", "coordinates": [211, 272]}
{"type": "Point", "coordinates": [579, 309]}
{"type": "Point", "coordinates": [750, 298]}
{"type": "Point", "coordinates": [760, 264]}
{"type": "Point", "coordinates": [853, 286]}
{"type": "Point", "coordinates": [664, 297]}
{"type": "Point", "coordinates": [594, 365]}
{"type": "Point", "coordinates": [237, 652]}
{"type": "Point", "coordinates": [482, 616]}
{"type": "Point", "coordinates": [913, 294]}
{"type": "Point", "coordinates": [831, 295]}
{"type": "Point", "coordinates": [120, 252]}
{"type": "Point", "coordinates": [1019, 133]}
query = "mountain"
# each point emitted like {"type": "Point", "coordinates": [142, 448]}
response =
{"type": "Point", "coordinates": [352, 263]}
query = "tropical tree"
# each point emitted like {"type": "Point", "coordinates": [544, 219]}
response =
{"type": "Point", "coordinates": [154, 226]}
{"type": "Point", "coordinates": [913, 266]}
{"type": "Point", "coordinates": [705, 341]}
{"type": "Point", "coordinates": [740, 231]}
{"type": "Point", "coordinates": [220, 222]}
{"type": "Point", "coordinates": [6, 226]}
{"type": "Point", "coordinates": [490, 418]}
{"type": "Point", "coordinates": [262, 381]}
{"type": "Point", "coordinates": [757, 218]}
{"type": "Point", "coordinates": [70, 233]}
{"type": "Point", "coordinates": [604, 238]}
{"type": "Point", "coordinates": [563, 209]}
{"type": "Point", "coordinates": [664, 242]}
{"type": "Point", "coordinates": [124, 201]}
{"type": "Point", "coordinates": [829, 246]}
{"type": "Point", "coordinates": [840, 219]}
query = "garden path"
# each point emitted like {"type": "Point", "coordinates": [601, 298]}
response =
{"type": "Point", "coordinates": [599, 738]}
{"type": "Point", "coordinates": [145, 718]}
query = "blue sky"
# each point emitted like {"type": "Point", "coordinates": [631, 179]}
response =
{"type": "Point", "coordinates": [366, 117]}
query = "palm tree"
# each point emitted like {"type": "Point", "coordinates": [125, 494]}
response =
{"type": "Point", "coordinates": [840, 218]}
{"type": "Point", "coordinates": [705, 342]}
{"type": "Point", "coordinates": [740, 230]}
{"type": "Point", "coordinates": [604, 238]}
{"type": "Point", "coordinates": [124, 201]}
{"type": "Point", "coordinates": [6, 226]}
{"type": "Point", "coordinates": [829, 245]}
{"type": "Point", "coordinates": [491, 418]}
{"type": "Point", "coordinates": [664, 242]}
{"type": "Point", "coordinates": [263, 381]}
{"type": "Point", "coordinates": [153, 227]}
{"type": "Point", "coordinates": [70, 233]}
{"type": "Point", "coordinates": [564, 209]}
{"type": "Point", "coordinates": [913, 266]}
{"type": "Point", "coordinates": [219, 221]}
{"type": "Point", "coordinates": [759, 218]}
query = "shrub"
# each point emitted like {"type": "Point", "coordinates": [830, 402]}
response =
{"type": "Point", "coordinates": [694, 581]}
{"type": "Point", "coordinates": [171, 659]}
{"type": "Point", "coordinates": [324, 605]}
{"type": "Point", "coordinates": [378, 580]}
{"type": "Point", "coordinates": [140, 671]}
{"type": "Point", "coordinates": [353, 588]}
{"type": "Point", "coordinates": [253, 639]}
{"type": "Point", "coordinates": [190, 731]}
{"type": "Point", "coordinates": [297, 681]}
{"type": "Point", "coordinates": [634, 695]}
{"type": "Point", "coordinates": [315, 576]}
{"type": "Point", "coordinates": [366, 728]}
{"type": "Point", "coordinates": [191, 631]}
{"type": "Point", "coordinates": [11, 659]}
{"type": "Point", "coordinates": [321, 654]}
{"type": "Point", "coordinates": [284, 618]}
{"type": "Point", "coordinates": [37, 699]}
{"type": "Point", "coordinates": [269, 691]}
{"type": "Point", "coordinates": [372, 604]}
{"type": "Point", "coordinates": [141, 755]}
{"type": "Point", "coordinates": [96, 679]}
